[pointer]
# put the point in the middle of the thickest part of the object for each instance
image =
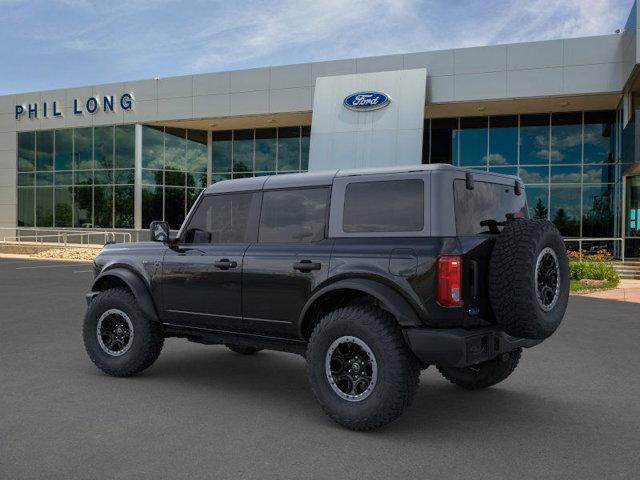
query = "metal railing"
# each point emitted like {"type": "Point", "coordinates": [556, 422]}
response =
{"type": "Point", "coordinates": [616, 253]}
{"type": "Point", "coordinates": [62, 237]}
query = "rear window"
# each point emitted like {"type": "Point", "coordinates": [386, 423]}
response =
{"type": "Point", "coordinates": [384, 206]}
{"type": "Point", "coordinates": [487, 203]}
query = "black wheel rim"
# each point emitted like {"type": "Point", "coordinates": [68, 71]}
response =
{"type": "Point", "coordinates": [351, 368]}
{"type": "Point", "coordinates": [547, 279]}
{"type": "Point", "coordinates": [115, 332]}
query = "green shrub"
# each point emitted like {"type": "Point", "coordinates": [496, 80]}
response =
{"type": "Point", "coordinates": [593, 271]}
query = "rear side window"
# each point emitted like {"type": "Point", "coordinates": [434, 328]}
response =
{"type": "Point", "coordinates": [228, 218]}
{"type": "Point", "coordinates": [294, 215]}
{"type": "Point", "coordinates": [384, 206]}
{"type": "Point", "coordinates": [488, 203]}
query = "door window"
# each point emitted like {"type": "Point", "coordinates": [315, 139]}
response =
{"type": "Point", "coordinates": [294, 215]}
{"type": "Point", "coordinates": [228, 218]}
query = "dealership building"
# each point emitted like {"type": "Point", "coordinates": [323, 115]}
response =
{"type": "Point", "coordinates": [558, 113]}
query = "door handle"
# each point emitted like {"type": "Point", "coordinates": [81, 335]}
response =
{"type": "Point", "coordinates": [306, 266]}
{"type": "Point", "coordinates": [225, 264]}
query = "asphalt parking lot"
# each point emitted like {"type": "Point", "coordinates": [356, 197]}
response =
{"type": "Point", "coordinates": [571, 410]}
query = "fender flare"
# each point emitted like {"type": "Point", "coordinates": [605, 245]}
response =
{"type": "Point", "coordinates": [390, 300]}
{"type": "Point", "coordinates": [137, 286]}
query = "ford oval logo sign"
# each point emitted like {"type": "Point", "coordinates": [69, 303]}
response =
{"type": "Point", "coordinates": [366, 101]}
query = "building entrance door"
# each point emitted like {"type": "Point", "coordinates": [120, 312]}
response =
{"type": "Point", "coordinates": [632, 216]}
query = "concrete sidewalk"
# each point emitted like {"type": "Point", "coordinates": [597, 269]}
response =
{"type": "Point", "coordinates": [627, 291]}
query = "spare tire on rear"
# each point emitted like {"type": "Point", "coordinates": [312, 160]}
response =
{"type": "Point", "coordinates": [529, 278]}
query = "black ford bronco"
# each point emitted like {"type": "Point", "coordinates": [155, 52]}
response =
{"type": "Point", "coordinates": [371, 275]}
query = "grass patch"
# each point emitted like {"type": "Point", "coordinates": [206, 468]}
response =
{"type": "Point", "coordinates": [577, 287]}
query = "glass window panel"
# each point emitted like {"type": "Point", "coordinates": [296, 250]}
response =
{"type": "Point", "coordinates": [175, 149]}
{"type": "Point", "coordinates": [572, 174]}
{"type": "Point", "coordinates": [64, 206]}
{"type": "Point", "coordinates": [198, 179]}
{"type": "Point", "coordinates": [103, 147]}
{"type": "Point", "coordinates": [152, 177]}
{"type": "Point", "coordinates": [64, 149]}
{"type": "Point", "coordinates": [288, 149]}
{"type": "Point", "coordinates": [125, 151]}
{"type": "Point", "coordinates": [294, 215]}
{"type": "Point", "coordinates": [534, 139]}
{"type": "Point", "coordinates": [504, 170]}
{"type": "Point", "coordinates": [599, 138]}
{"type": "Point", "coordinates": [242, 175]}
{"type": "Point", "coordinates": [534, 174]}
{"type": "Point", "coordinates": [64, 178]}
{"type": "Point", "coordinates": [83, 148]}
{"type": "Point", "coordinates": [386, 206]}
{"type": "Point", "coordinates": [26, 151]}
{"type": "Point", "coordinates": [83, 177]}
{"type": "Point", "coordinates": [126, 176]}
{"type": "Point", "coordinates": [174, 206]}
{"type": "Point", "coordinates": [102, 177]}
{"type": "Point", "coordinates": [82, 206]}
{"type": "Point", "coordinates": [472, 137]}
{"type": "Point", "coordinates": [566, 138]}
{"type": "Point", "coordinates": [192, 196]}
{"type": "Point", "coordinates": [26, 202]}
{"type": "Point", "coordinates": [538, 201]}
{"type": "Point", "coordinates": [564, 210]}
{"type": "Point", "coordinates": [503, 140]}
{"type": "Point", "coordinates": [44, 179]}
{"type": "Point", "coordinates": [243, 151]}
{"type": "Point", "coordinates": [26, 179]}
{"type": "Point", "coordinates": [221, 146]}
{"type": "Point", "coordinates": [605, 173]}
{"type": "Point", "coordinates": [197, 151]}
{"type": "Point", "coordinates": [597, 211]}
{"type": "Point", "coordinates": [266, 149]}
{"type": "Point", "coordinates": [151, 205]}
{"type": "Point", "coordinates": [152, 147]}
{"type": "Point", "coordinates": [44, 150]}
{"type": "Point", "coordinates": [220, 178]}
{"type": "Point", "coordinates": [175, 179]}
{"type": "Point", "coordinates": [444, 147]}
{"type": "Point", "coordinates": [44, 206]}
{"type": "Point", "coordinates": [103, 207]}
{"type": "Point", "coordinates": [305, 140]}
{"type": "Point", "coordinates": [123, 206]}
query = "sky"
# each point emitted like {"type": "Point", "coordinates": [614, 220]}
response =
{"type": "Point", "coordinates": [48, 44]}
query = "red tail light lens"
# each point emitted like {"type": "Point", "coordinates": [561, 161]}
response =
{"type": "Point", "coordinates": [449, 281]}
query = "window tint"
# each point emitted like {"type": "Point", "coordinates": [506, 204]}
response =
{"type": "Point", "coordinates": [387, 206]}
{"type": "Point", "coordinates": [294, 215]}
{"type": "Point", "coordinates": [224, 219]}
{"type": "Point", "coordinates": [486, 202]}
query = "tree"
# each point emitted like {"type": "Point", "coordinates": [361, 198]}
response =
{"type": "Point", "coordinates": [540, 212]}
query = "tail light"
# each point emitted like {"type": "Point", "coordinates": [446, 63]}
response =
{"type": "Point", "coordinates": [449, 281]}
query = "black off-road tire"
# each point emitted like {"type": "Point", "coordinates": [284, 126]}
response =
{"type": "Point", "coordinates": [241, 349]}
{"type": "Point", "coordinates": [398, 369]}
{"type": "Point", "coordinates": [148, 338]}
{"type": "Point", "coordinates": [513, 289]}
{"type": "Point", "coordinates": [484, 374]}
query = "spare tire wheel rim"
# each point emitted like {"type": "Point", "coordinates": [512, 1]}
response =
{"type": "Point", "coordinates": [351, 368]}
{"type": "Point", "coordinates": [115, 332]}
{"type": "Point", "coordinates": [547, 279]}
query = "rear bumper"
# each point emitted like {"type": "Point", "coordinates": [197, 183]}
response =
{"type": "Point", "coordinates": [457, 347]}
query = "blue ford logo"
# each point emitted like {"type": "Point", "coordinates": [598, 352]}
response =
{"type": "Point", "coordinates": [366, 101]}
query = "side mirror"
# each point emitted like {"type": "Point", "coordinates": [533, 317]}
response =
{"type": "Point", "coordinates": [159, 231]}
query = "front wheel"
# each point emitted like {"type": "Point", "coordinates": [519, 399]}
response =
{"type": "Point", "coordinates": [361, 371]}
{"type": "Point", "coordinates": [485, 374]}
{"type": "Point", "coordinates": [119, 339]}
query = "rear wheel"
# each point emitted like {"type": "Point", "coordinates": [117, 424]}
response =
{"type": "Point", "coordinates": [241, 349]}
{"type": "Point", "coordinates": [119, 339]}
{"type": "Point", "coordinates": [360, 369]}
{"type": "Point", "coordinates": [483, 375]}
